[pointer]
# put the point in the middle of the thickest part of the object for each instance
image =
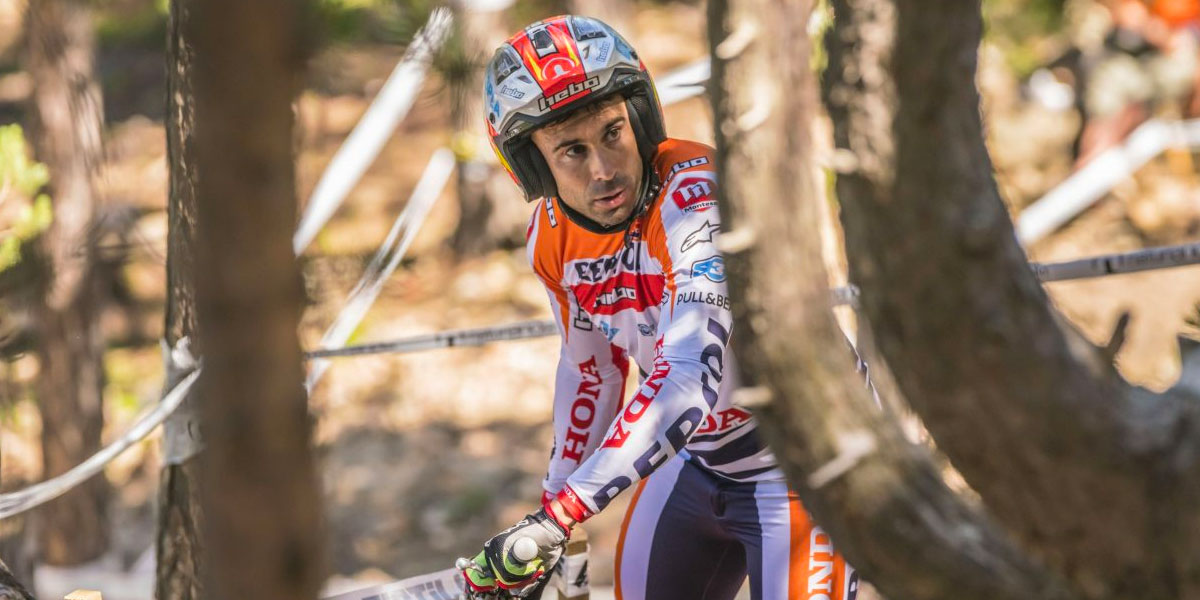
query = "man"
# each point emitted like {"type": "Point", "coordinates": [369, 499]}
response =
{"type": "Point", "coordinates": [623, 237]}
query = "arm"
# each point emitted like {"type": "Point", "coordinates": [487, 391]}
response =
{"type": "Point", "coordinates": [693, 332]}
{"type": "Point", "coordinates": [588, 387]}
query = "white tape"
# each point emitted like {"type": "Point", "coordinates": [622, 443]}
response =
{"type": "Point", "coordinates": [361, 148]}
{"type": "Point", "coordinates": [1098, 176]}
{"type": "Point", "coordinates": [571, 581]}
{"type": "Point", "coordinates": [436, 174]}
{"type": "Point", "coordinates": [442, 585]}
{"type": "Point", "coordinates": [684, 82]}
{"type": "Point", "coordinates": [181, 430]}
{"type": "Point", "coordinates": [35, 495]}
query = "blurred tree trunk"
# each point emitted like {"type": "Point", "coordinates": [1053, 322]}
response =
{"type": "Point", "coordinates": [65, 133]}
{"type": "Point", "coordinates": [475, 36]}
{"type": "Point", "coordinates": [618, 14]}
{"type": "Point", "coordinates": [179, 549]}
{"type": "Point", "coordinates": [11, 588]}
{"type": "Point", "coordinates": [893, 501]}
{"type": "Point", "coordinates": [262, 517]}
{"type": "Point", "coordinates": [16, 556]}
{"type": "Point", "coordinates": [1093, 485]}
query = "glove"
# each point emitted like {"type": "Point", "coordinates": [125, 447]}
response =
{"type": "Point", "coordinates": [518, 556]}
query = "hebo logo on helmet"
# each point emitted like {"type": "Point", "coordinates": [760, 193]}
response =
{"type": "Point", "coordinates": [570, 91]}
{"type": "Point", "coordinates": [544, 68]}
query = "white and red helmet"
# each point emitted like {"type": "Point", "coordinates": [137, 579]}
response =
{"type": "Point", "coordinates": [551, 68]}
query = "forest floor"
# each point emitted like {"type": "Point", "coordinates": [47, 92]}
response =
{"type": "Point", "coordinates": [426, 455]}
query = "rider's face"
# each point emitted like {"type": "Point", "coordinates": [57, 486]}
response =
{"type": "Point", "coordinates": [595, 162]}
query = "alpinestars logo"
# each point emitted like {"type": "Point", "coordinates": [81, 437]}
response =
{"type": "Point", "coordinates": [574, 89]}
{"type": "Point", "coordinates": [700, 236]}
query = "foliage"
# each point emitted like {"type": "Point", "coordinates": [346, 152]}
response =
{"type": "Point", "coordinates": [23, 212]}
{"type": "Point", "coordinates": [1021, 27]}
{"type": "Point", "coordinates": [136, 23]}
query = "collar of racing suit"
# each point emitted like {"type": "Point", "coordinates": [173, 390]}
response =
{"type": "Point", "coordinates": [649, 190]}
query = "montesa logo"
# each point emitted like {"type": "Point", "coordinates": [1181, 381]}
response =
{"type": "Point", "coordinates": [571, 90]}
{"type": "Point", "coordinates": [694, 193]}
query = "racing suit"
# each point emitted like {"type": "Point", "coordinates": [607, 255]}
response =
{"type": "Point", "coordinates": [717, 507]}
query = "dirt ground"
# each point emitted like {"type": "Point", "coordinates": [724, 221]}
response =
{"type": "Point", "coordinates": [426, 455]}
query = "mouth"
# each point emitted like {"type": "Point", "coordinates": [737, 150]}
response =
{"type": "Point", "coordinates": [611, 201]}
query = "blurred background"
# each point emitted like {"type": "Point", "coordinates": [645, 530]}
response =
{"type": "Point", "coordinates": [426, 455]}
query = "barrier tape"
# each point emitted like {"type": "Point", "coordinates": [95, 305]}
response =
{"type": "Point", "coordinates": [387, 258]}
{"type": "Point", "coordinates": [446, 339]}
{"type": "Point", "coordinates": [37, 494]}
{"type": "Point", "coordinates": [442, 585]}
{"type": "Point", "coordinates": [1098, 266]}
{"type": "Point", "coordinates": [571, 581]}
{"type": "Point", "coordinates": [1117, 264]}
{"type": "Point", "coordinates": [362, 146]}
{"type": "Point", "coordinates": [1090, 183]}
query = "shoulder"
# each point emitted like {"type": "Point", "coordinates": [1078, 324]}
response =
{"type": "Point", "coordinates": [676, 156]}
{"type": "Point", "coordinates": [544, 240]}
{"type": "Point", "coordinates": [687, 202]}
{"type": "Point", "coordinates": [688, 178]}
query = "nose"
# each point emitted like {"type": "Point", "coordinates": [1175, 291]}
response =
{"type": "Point", "coordinates": [603, 166]}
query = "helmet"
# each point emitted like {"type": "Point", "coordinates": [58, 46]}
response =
{"type": "Point", "coordinates": [550, 69]}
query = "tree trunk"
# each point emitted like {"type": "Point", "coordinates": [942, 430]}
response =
{"type": "Point", "coordinates": [882, 499]}
{"type": "Point", "coordinates": [67, 118]}
{"type": "Point", "coordinates": [480, 221]}
{"type": "Point", "coordinates": [1098, 480]}
{"type": "Point", "coordinates": [16, 560]}
{"type": "Point", "coordinates": [10, 587]}
{"type": "Point", "coordinates": [261, 503]}
{"type": "Point", "coordinates": [179, 549]}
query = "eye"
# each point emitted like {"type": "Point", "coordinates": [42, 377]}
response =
{"type": "Point", "coordinates": [575, 151]}
{"type": "Point", "coordinates": [612, 134]}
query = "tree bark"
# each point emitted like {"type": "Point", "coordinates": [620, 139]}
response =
{"type": "Point", "coordinates": [179, 547]}
{"type": "Point", "coordinates": [480, 221]}
{"type": "Point", "coordinates": [67, 120]}
{"type": "Point", "coordinates": [1097, 479]}
{"type": "Point", "coordinates": [261, 508]}
{"type": "Point", "coordinates": [882, 499]}
{"type": "Point", "coordinates": [10, 587]}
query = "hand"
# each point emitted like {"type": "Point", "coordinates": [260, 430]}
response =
{"type": "Point", "coordinates": [521, 554]}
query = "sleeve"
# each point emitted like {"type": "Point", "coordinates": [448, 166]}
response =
{"type": "Point", "coordinates": [588, 386]}
{"type": "Point", "coordinates": [694, 327]}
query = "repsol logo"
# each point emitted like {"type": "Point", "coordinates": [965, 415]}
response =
{"type": "Point", "coordinates": [713, 357]}
{"type": "Point", "coordinates": [638, 404]}
{"type": "Point", "coordinates": [676, 436]}
{"type": "Point", "coordinates": [597, 270]}
{"type": "Point", "coordinates": [571, 90]}
{"type": "Point", "coordinates": [583, 411]}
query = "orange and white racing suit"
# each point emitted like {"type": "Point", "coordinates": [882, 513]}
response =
{"type": "Point", "coordinates": [717, 508]}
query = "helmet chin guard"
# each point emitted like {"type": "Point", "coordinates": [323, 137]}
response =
{"type": "Point", "coordinates": [551, 69]}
